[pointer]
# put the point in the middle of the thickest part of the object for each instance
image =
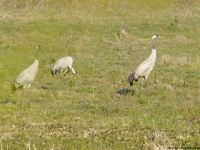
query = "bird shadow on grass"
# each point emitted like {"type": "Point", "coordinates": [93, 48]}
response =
{"type": "Point", "coordinates": [45, 88]}
{"type": "Point", "coordinates": [125, 91]}
{"type": "Point", "coordinates": [6, 101]}
{"type": "Point", "coordinates": [50, 88]}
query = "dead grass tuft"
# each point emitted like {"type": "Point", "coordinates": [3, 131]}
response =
{"type": "Point", "coordinates": [175, 60]}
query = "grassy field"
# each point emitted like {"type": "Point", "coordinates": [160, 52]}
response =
{"type": "Point", "coordinates": [99, 109]}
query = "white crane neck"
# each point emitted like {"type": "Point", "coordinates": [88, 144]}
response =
{"type": "Point", "coordinates": [153, 53]}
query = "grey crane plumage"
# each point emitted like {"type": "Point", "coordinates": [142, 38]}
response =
{"type": "Point", "coordinates": [63, 64]}
{"type": "Point", "coordinates": [26, 77]}
{"type": "Point", "coordinates": [145, 67]}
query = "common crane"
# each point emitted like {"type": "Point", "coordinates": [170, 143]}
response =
{"type": "Point", "coordinates": [63, 64]}
{"type": "Point", "coordinates": [145, 67]}
{"type": "Point", "coordinates": [26, 77]}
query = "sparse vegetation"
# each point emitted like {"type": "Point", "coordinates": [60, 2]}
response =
{"type": "Point", "coordinates": [107, 40]}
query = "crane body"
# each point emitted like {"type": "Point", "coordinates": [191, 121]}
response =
{"type": "Point", "coordinates": [63, 64]}
{"type": "Point", "coordinates": [26, 77]}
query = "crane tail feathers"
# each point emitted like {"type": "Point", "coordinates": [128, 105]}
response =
{"type": "Point", "coordinates": [13, 87]}
{"type": "Point", "coordinates": [131, 83]}
{"type": "Point", "coordinates": [130, 79]}
{"type": "Point", "coordinates": [132, 76]}
{"type": "Point", "coordinates": [52, 72]}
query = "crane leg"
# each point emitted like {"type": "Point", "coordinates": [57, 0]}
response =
{"type": "Point", "coordinates": [140, 87]}
{"type": "Point", "coordinates": [61, 74]}
{"type": "Point", "coordinates": [28, 99]}
{"type": "Point", "coordinates": [65, 73]}
{"type": "Point", "coordinates": [146, 86]}
{"type": "Point", "coordinates": [63, 83]}
{"type": "Point", "coordinates": [22, 97]}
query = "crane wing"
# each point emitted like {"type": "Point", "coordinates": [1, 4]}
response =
{"type": "Point", "coordinates": [144, 68]}
{"type": "Point", "coordinates": [59, 64]}
{"type": "Point", "coordinates": [28, 75]}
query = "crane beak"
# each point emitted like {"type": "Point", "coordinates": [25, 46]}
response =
{"type": "Point", "coordinates": [77, 74]}
{"type": "Point", "coordinates": [160, 37]}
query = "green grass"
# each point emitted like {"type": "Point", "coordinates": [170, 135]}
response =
{"type": "Point", "coordinates": [99, 109]}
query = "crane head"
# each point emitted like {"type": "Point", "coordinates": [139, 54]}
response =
{"type": "Point", "coordinates": [76, 73]}
{"type": "Point", "coordinates": [156, 36]}
{"type": "Point", "coordinates": [38, 47]}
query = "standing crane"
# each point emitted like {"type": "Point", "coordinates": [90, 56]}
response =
{"type": "Point", "coordinates": [26, 77]}
{"type": "Point", "coordinates": [145, 67]}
